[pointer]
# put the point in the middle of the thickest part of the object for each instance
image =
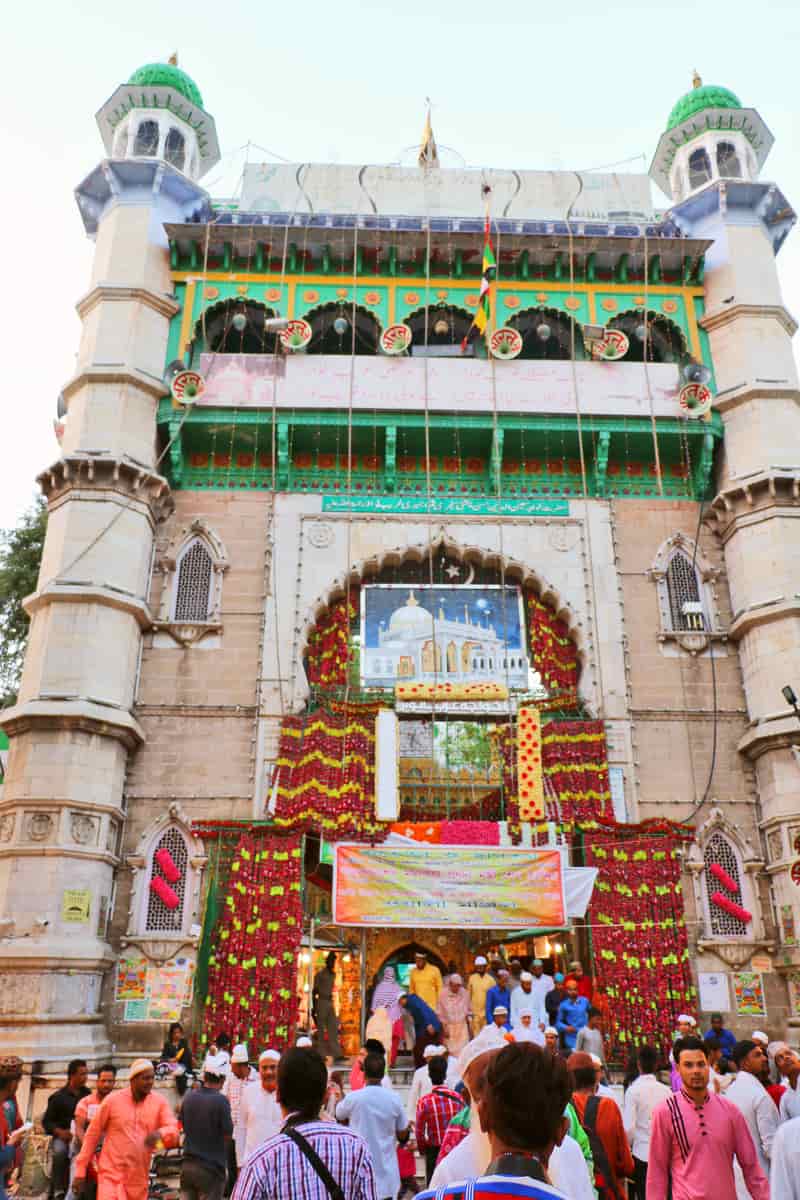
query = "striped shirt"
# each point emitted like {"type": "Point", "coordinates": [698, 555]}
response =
{"type": "Point", "coordinates": [434, 1113]}
{"type": "Point", "coordinates": [278, 1170]}
{"type": "Point", "coordinates": [496, 1187]}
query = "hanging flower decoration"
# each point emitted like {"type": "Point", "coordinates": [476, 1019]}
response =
{"type": "Point", "coordinates": [326, 765]}
{"type": "Point", "coordinates": [554, 653]}
{"type": "Point", "coordinates": [165, 893]}
{"type": "Point", "coordinates": [724, 878]}
{"type": "Point", "coordinates": [167, 864]}
{"type": "Point", "coordinates": [732, 908]}
{"type": "Point", "coordinates": [641, 953]}
{"type": "Point", "coordinates": [329, 643]}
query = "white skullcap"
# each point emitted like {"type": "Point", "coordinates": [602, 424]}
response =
{"type": "Point", "coordinates": [598, 1062]}
{"type": "Point", "coordinates": [501, 1008]}
{"type": "Point", "coordinates": [537, 962]}
{"type": "Point", "coordinates": [138, 1065]}
{"type": "Point", "coordinates": [502, 971]}
{"type": "Point", "coordinates": [430, 1051]}
{"type": "Point", "coordinates": [524, 1012]}
{"type": "Point", "coordinates": [269, 1056]}
{"type": "Point", "coordinates": [686, 1019]}
{"type": "Point", "coordinates": [215, 1064]}
{"type": "Point", "coordinates": [303, 1043]}
{"type": "Point", "coordinates": [239, 1053]}
{"type": "Point", "coordinates": [489, 1039]}
{"type": "Point", "coordinates": [526, 977]}
{"type": "Point", "coordinates": [758, 1036]}
{"type": "Point", "coordinates": [551, 1029]}
{"type": "Point", "coordinates": [480, 961]}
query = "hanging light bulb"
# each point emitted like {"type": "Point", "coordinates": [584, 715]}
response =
{"type": "Point", "coordinates": [641, 332]}
{"type": "Point", "coordinates": [441, 327]}
{"type": "Point", "coordinates": [543, 332]}
{"type": "Point", "coordinates": [340, 326]}
{"type": "Point", "coordinates": [239, 322]}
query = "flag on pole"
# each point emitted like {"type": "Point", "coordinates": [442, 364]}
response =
{"type": "Point", "coordinates": [480, 322]}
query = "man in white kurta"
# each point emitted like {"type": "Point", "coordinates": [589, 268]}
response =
{"type": "Point", "coordinates": [756, 1105]}
{"type": "Point", "coordinates": [259, 1111]}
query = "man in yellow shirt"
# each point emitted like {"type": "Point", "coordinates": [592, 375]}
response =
{"type": "Point", "coordinates": [425, 980]}
{"type": "Point", "coordinates": [478, 985]}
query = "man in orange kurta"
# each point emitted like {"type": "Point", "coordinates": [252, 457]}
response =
{"type": "Point", "coordinates": [134, 1123]}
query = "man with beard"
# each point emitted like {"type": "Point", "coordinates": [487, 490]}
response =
{"type": "Point", "coordinates": [749, 1094]}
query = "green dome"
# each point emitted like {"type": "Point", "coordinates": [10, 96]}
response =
{"type": "Point", "coordinates": [167, 75]}
{"type": "Point", "coordinates": [704, 96]}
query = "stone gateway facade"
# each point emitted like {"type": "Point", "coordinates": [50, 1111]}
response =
{"type": "Point", "coordinates": [245, 453]}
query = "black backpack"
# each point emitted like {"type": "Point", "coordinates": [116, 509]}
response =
{"type": "Point", "coordinates": [603, 1179]}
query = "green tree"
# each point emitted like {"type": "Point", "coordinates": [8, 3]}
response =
{"type": "Point", "coordinates": [20, 556]}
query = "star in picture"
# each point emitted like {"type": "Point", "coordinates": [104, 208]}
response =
{"type": "Point", "coordinates": [452, 572]}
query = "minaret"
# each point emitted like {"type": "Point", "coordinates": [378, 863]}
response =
{"type": "Point", "coordinates": [709, 161]}
{"type": "Point", "coordinates": [73, 727]}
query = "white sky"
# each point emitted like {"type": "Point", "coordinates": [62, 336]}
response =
{"type": "Point", "coordinates": [526, 86]}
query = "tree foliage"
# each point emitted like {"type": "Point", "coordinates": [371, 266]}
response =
{"type": "Point", "coordinates": [20, 556]}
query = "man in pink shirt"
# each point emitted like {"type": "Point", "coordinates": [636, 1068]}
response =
{"type": "Point", "coordinates": [695, 1137]}
{"type": "Point", "coordinates": [134, 1123]}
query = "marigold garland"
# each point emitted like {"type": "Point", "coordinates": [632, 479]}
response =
{"type": "Point", "coordinates": [641, 952]}
{"type": "Point", "coordinates": [554, 653]}
{"type": "Point", "coordinates": [252, 970]}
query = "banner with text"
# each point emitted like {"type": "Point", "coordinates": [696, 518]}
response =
{"type": "Point", "coordinates": [448, 887]}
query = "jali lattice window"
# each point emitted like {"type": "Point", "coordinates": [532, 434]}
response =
{"type": "Point", "coordinates": [720, 851]}
{"type": "Point", "coordinates": [683, 587]}
{"type": "Point", "coordinates": [159, 917]}
{"type": "Point", "coordinates": [193, 583]}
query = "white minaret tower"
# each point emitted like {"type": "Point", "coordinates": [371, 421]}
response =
{"type": "Point", "coordinates": [61, 812]}
{"type": "Point", "coordinates": [709, 161]}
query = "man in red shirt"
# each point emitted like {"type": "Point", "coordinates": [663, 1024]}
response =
{"type": "Point", "coordinates": [434, 1113]}
{"type": "Point", "coordinates": [601, 1118]}
{"type": "Point", "coordinates": [584, 982]}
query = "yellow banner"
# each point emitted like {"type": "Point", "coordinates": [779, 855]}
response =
{"type": "Point", "coordinates": [448, 887]}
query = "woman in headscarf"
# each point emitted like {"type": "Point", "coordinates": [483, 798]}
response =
{"type": "Point", "coordinates": [385, 996]}
{"type": "Point", "coordinates": [454, 1010]}
{"type": "Point", "coordinates": [525, 1029]}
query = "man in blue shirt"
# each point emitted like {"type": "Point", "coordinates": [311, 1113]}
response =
{"type": "Point", "coordinates": [427, 1026]}
{"type": "Point", "coordinates": [499, 994]}
{"type": "Point", "coordinates": [726, 1039]}
{"type": "Point", "coordinates": [573, 1014]}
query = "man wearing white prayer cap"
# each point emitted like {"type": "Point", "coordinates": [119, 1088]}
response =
{"type": "Point", "coordinates": [260, 1111]}
{"type": "Point", "coordinates": [472, 1156]}
{"type": "Point", "coordinates": [421, 1083]}
{"type": "Point", "coordinates": [542, 986]}
{"type": "Point", "coordinates": [240, 1076]}
{"type": "Point", "coordinates": [760, 1038]}
{"type": "Point", "coordinates": [500, 1018]}
{"type": "Point", "coordinates": [304, 1042]}
{"type": "Point", "coordinates": [478, 985]}
{"type": "Point", "coordinates": [525, 997]}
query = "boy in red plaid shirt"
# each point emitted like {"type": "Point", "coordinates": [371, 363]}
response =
{"type": "Point", "coordinates": [434, 1113]}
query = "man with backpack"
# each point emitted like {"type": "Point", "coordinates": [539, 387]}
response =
{"type": "Point", "coordinates": [602, 1120]}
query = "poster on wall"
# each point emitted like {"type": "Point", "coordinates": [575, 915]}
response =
{"type": "Point", "coordinates": [748, 990]}
{"type": "Point", "coordinates": [714, 993]}
{"type": "Point", "coordinates": [135, 1010]}
{"type": "Point", "coordinates": [793, 979]}
{"type": "Point", "coordinates": [447, 887]}
{"type": "Point", "coordinates": [427, 633]}
{"type": "Point", "coordinates": [170, 988]}
{"type": "Point", "coordinates": [132, 978]}
{"type": "Point", "coordinates": [75, 905]}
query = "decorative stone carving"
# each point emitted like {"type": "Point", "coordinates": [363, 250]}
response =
{"type": "Point", "coordinates": [563, 538]}
{"type": "Point", "coordinates": [111, 837]}
{"type": "Point", "coordinates": [320, 534]}
{"type": "Point", "coordinates": [83, 829]}
{"type": "Point", "coordinates": [39, 826]}
{"type": "Point", "coordinates": [775, 845]}
{"type": "Point", "coordinates": [7, 822]}
{"type": "Point", "coordinates": [188, 633]}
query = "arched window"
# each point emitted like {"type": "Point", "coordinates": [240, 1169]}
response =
{"type": "Point", "coordinates": [664, 340]}
{"type": "Point", "coordinates": [236, 327]}
{"type": "Point", "coordinates": [175, 149]}
{"type": "Point", "coordinates": [721, 852]}
{"type": "Point", "coordinates": [684, 588]}
{"type": "Point", "coordinates": [548, 333]}
{"type": "Point", "coordinates": [146, 143]}
{"type": "Point", "coordinates": [161, 916]}
{"type": "Point", "coordinates": [728, 165]}
{"type": "Point", "coordinates": [193, 580]}
{"type": "Point", "coordinates": [337, 329]}
{"type": "Point", "coordinates": [699, 168]}
{"type": "Point", "coordinates": [442, 333]}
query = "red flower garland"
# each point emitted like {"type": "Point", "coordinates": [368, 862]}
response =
{"type": "Point", "coordinates": [575, 765]}
{"type": "Point", "coordinates": [731, 907]}
{"type": "Point", "coordinates": [164, 892]}
{"type": "Point", "coordinates": [328, 653]}
{"type": "Point", "coordinates": [252, 971]}
{"type": "Point", "coordinates": [554, 653]}
{"type": "Point", "coordinates": [722, 875]}
{"type": "Point", "coordinates": [641, 953]}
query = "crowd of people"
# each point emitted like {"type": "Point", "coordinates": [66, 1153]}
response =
{"type": "Point", "coordinates": [510, 1097]}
